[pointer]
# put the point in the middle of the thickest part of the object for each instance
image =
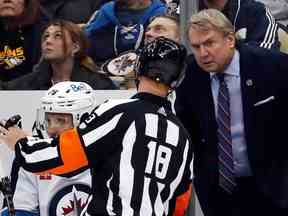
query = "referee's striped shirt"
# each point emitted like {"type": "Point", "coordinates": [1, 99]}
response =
{"type": "Point", "coordinates": [139, 154]}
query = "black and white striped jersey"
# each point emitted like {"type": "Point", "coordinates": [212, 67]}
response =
{"type": "Point", "coordinates": [139, 153]}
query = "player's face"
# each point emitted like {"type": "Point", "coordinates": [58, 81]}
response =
{"type": "Point", "coordinates": [212, 49]}
{"type": "Point", "coordinates": [57, 44]}
{"type": "Point", "coordinates": [164, 27]}
{"type": "Point", "coordinates": [57, 123]}
{"type": "Point", "coordinates": [11, 8]}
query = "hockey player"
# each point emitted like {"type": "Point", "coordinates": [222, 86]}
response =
{"type": "Point", "coordinates": [138, 151]}
{"type": "Point", "coordinates": [50, 195]}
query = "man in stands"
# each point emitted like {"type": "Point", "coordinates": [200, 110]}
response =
{"type": "Point", "coordinates": [163, 26]}
{"type": "Point", "coordinates": [119, 26]}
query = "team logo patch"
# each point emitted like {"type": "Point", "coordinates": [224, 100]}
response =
{"type": "Point", "coordinates": [69, 201]}
{"type": "Point", "coordinates": [11, 57]}
{"type": "Point", "coordinates": [123, 65]}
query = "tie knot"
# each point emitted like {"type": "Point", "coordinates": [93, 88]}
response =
{"type": "Point", "coordinates": [220, 77]}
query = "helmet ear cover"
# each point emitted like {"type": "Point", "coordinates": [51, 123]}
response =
{"type": "Point", "coordinates": [162, 60]}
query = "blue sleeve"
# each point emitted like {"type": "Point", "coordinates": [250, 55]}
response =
{"type": "Point", "coordinates": [99, 20]}
{"type": "Point", "coordinates": [19, 213]}
{"type": "Point", "coordinates": [160, 11]}
{"type": "Point", "coordinates": [93, 24]}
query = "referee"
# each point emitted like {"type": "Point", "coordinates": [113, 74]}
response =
{"type": "Point", "coordinates": [138, 151]}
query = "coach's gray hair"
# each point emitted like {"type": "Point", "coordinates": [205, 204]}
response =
{"type": "Point", "coordinates": [210, 19]}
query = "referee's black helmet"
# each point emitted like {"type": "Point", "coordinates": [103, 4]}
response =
{"type": "Point", "coordinates": [162, 60]}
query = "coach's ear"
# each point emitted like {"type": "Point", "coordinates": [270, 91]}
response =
{"type": "Point", "coordinates": [230, 38]}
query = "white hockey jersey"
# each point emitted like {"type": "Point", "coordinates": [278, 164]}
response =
{"type": "Point", "coordinates": [6, 158]}
{"type": "Point", "coordinates": [52, 195]}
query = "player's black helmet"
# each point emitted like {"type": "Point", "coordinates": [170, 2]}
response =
{"type": "Point", "coordinates": [163, 61]}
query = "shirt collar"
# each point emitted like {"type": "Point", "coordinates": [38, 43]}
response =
{"type": "Point", "coordinates": [154, 99]}
{"type": "Point", "coordinates": [233, 68]}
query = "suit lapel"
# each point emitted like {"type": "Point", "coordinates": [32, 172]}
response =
{"type": "Point", "coordinates": [248, 95]}
{"type": "Point", "coordinates": [206, 106]}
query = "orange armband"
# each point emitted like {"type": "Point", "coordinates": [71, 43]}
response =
{"type": "Point", "coordinates": [72, 153]}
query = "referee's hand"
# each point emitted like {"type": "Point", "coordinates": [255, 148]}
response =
{"type": "Point", "coordinates": [11, 135]}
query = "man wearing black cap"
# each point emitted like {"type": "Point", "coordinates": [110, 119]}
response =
{"type": "Point", "coordinates": [138, 151]}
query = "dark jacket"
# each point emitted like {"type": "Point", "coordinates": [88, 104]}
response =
{"type": "Point", "coordinates": [40, 79]}
{"type": "Point", "coordinates": [109, 36]}
{"type": "Point", "coordinates": [263, 75]}
{"type": "Point", "coordinates": [253, 22]}
{"type": "Point", "coordinates": [77, 11]}
{"type": "Point", "coordinates": [19, 50]}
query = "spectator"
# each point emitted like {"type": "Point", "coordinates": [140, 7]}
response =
{"type": "Point", "coordinates": [63, 59]}
{"type": "Point", "coordinates": [77, 11]}
{"type": "Point", "coordinates": [119, 26]}
{"type": "Point", "coordinates": [173, 6]}
{"type": "Point", "coordinates": [234, 102]}
{"type": "Point", "coordinates": [163, 26]}
{"type": "Point", "coordinates": [139, 152]}
{"type": "Point", "coordinates": [121, 68]}
{"type": "Point", "coordinates": [20, 28]}
{"type": "Point", "coordinates": [61, 108]}
{"type": "Point", "coordinates": [252, 21]}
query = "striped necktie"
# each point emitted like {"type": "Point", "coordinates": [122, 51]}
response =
{"type": "Point", "coordinates": [225, 155]}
